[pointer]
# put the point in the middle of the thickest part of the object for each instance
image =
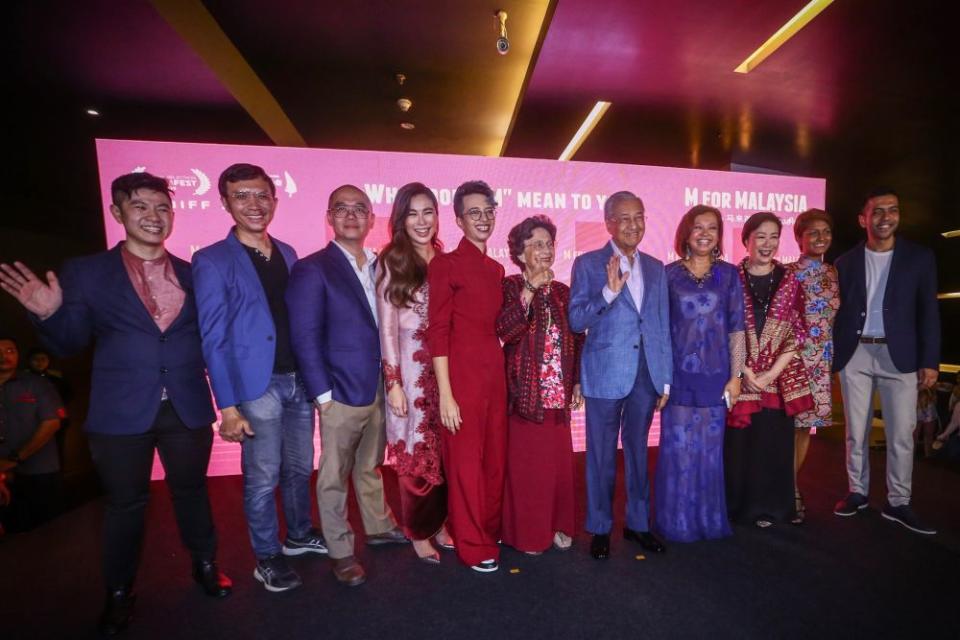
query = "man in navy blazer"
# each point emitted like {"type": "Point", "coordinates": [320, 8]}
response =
{"type": "Point", "coordinates": [618, 295]}
{"type": "Point", "coordinates": [333, 327]}
{"type": "Point", "coordinates": [241, 282]}
{"type": "Point", "coordinates": [148, 390]}
{"type": "Point", "coordinates": [887, 337]}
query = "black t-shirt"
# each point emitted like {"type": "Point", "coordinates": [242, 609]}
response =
{"type": "Point", "coordinates": [273, 274]}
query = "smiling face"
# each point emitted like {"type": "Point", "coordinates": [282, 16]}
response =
{"type": "Point", "coordinates": [251, 204]}
{"type": "Point", "coordinates": [626, 224]}
{"type": "Point", "coordinates": [147, 218]}
{"type": "Point", "coordinates": [477, 231]}
{"type": "Point", "coordinates": [538, 251]}
{"type": "Point", "coordinates": [350, 215]}
{"type": "Point", "coordinates": [421, 221]}
{"type": "Point", "coordinates": [881, 217]}
{"type": "Point", "coordinates": [705, 235]}
{"type": "Point", "coordinates": [763, 243]}
{"type": "Point", "coordinates": [816, 239]}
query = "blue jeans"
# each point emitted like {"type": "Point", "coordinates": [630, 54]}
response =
{"type": "Point", "coordinates": [279, 453]}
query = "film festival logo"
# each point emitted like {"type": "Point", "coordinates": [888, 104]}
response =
{"type": "Point", "coordinates": [191, 189]}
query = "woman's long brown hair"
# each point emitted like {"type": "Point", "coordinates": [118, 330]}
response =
{"type": "Point", "coordinates": [408, 271]}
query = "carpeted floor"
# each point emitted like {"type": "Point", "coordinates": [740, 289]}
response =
{"type": "Point", "coordinates": [834, 577]}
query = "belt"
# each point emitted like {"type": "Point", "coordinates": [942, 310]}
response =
{"type": "Point", "coordinates": [872, 340]}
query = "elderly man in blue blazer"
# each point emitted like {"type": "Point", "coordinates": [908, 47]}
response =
{"type": "Point", "coordinates": [241, 282]}
{"type": "Point", "coordinates": [887, 339]}
{"type": "Point", "coordinates": [148, 391]}
{"type": "Point", "coordinates": [619, 297]}
{"type": "Point", "coordinates": [333, 324]}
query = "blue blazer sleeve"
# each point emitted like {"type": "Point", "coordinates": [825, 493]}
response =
{"type": "Point", "coordinates": [928, 314]}
{"type": "Point", "coordinates": [211, 295]}
{"type": "Point", "coordinates": [666, 344]}
{"type": "Point", "coordinates": [306, 303]}
{"type": "Point", "coordinates": [586, 305]}
{"type": "Point", "coordinates": [70, 329]}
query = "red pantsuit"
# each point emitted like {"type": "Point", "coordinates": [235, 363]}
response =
{"type": "Point", "coordinates": [465, 298]}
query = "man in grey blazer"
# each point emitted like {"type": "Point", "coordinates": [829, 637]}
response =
{"type": "Point", "coordinates": [618, 295]}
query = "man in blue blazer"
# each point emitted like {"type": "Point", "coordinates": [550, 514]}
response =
{"type": "Point", "coordinates": [241, 282]}
{"type": "Point", "coordinates": [619, 297]}
{"type": "Point", "coordinates": [887, 337]}
{"type": "Point", "coordinates": [333, 327]}
{"type": "Point", "coordinates": [148, 389]}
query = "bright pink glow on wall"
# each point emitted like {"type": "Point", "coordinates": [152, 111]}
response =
{"type": "Point", "coordinates": [571, 193]}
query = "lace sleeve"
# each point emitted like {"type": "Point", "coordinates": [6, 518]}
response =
{"type": "Point", "coordinates": [738, 352]}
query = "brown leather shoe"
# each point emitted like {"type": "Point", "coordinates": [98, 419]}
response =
{"type": "Point", "coordinates": [349, 571]}
{"type": "Point", "coordinates": [394, 536]}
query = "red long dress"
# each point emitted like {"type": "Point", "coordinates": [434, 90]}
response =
{"type": "Point", "coordinates": [465, 298]}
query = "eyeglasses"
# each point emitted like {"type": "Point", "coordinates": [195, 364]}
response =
{"type": "Point", "coordinates": [262, 197]}
{"type": "Point", "coordinates": [624, 221]}
{"type": "Point", "coordinates": [540, 245]}
{"type": "Point", "coordinates": [489, 213]}
{"type": "Point", "coordinates": [342, 211]}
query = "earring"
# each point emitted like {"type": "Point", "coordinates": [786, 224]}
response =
{"type": "Point", "coordinates": [716, 252]}
{"type": "Point", "coordinates": [688, 252]}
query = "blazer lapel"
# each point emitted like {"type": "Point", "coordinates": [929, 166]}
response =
{"type": "Point", "coordinates": [246, 269]}
{"type": "Point", "coordinates": [129, 293]}
{"type": "Point", "coordinates": [185, 278]}
{"type": "Point", "coordinates": [350, 277]}
{"type": "Point", "coordinates": [895, 260]}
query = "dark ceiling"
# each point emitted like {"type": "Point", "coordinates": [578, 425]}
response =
{"type": "Point", "coordinates": [866, 93]}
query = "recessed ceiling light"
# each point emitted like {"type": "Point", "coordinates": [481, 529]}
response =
{"type": "Point", "coordinates": [951, 234]}
{"type": "Point", "coordinates": [585, 129]}
{"type": "Point", "coordinates": [409, 126]}
{"type": "Point", "coordinates": [93, 112]}
{"type": "Point", "coordinates": [784, 33]}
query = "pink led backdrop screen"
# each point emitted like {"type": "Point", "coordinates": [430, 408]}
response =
{"type": "Point", "coordinates": [571, 193]}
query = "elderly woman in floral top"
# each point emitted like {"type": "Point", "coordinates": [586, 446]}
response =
{"type": "Point", "coordinates": [542, 357]}
{"type": "Point", "coordinates": [821, 299]}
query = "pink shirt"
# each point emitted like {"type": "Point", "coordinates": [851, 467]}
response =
{"type": "Point", "coordinates": [157, 287]}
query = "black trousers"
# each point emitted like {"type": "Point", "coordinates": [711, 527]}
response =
{"type": "Point", "coordinates": [124, 464]}
{"type": "Point", "coordinates": [758, 468]}
{"type": "Point", "coordinates": [34, 499]}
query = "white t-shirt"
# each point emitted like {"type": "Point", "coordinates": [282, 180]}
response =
{"type": "Point", "coordinates": [878, 270]}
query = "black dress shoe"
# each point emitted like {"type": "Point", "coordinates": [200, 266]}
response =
{"type": "Point", "coordinates": [646, 539]}
{"type": "Point", "coordinates": [117, 612]}
{"type": "Point", "coordinates": [214, 582]}
{"type": "Point", "coordinates": [600, 546]}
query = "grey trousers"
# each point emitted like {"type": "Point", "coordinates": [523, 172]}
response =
{"type": "Point", "coordinates": [353, 440]}
{"type": "Point", "coordinates": [869, 370]}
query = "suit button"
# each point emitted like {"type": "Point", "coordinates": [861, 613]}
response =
{"type": "Point", "coordinates": [163, 338]}
{"type": "Point", "coordinates": [863, 314]}
{"type": "Point", "coordinates": [636, 346]}
{"type": "Point", "coordinates": [269, 338]}
{"type": "Point", "coordinates": [163, 369]}
{"type": "Point", "coordinates": [859, 332]}
{"type": "Point", "coordinates": [640, 320]}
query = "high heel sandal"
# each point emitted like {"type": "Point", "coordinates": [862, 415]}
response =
{"type": "Point", "coordinates": [800, 509]}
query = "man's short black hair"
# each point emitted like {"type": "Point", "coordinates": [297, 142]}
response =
{"type": "Point", "coordinates": [470, 188]}
{"type": "Point", "coordinates": [243, 171]}
{"type": "Point", "coordinates": [122, 188]}
{"type": "Point", "coordinates": [11, 339]}
{"type": "Point", "coordinates": [876, 192]}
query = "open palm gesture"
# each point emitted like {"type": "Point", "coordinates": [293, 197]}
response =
{"type": "Point", "coordinates": [38, 297]}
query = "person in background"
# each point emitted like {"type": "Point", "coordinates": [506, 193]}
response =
{"type": "Point", "coordinates": [758, 447]}
{"type": "Point", "coordinates": [706, 322]}
{"type": "Point", "coordinates": [618, 295]}
{"type": "Point", "coordinates": [927, 420]}
{"type": "Point", "coordinates": [465, 298]}
{"type": "Point", "coordinates": [38, 362]}
{"type": "Point", "coordinates": [887, 337]}
{"type": "Point", "coordinates": [413, 403]}
{"type": "Point", "coordinates": [543, 371]}
{"type": "Point", "coordinates": [30, 414]}
{"type": "Point", "coordinates": [149, 390]}
{"type": "Point", "coordinates": [820, 297]}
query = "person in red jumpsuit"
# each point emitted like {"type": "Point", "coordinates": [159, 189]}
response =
{"type": "Point", "coordinates": [465, 298]}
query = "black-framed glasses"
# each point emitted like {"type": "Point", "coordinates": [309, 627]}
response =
{"type": "Point", "coordinates": [489, 213]}
{"type": "Point", "coordinates": [342, 211]}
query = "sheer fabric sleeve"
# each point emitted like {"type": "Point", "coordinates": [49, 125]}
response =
{"type": "Point", "coordinates": [389, 316]}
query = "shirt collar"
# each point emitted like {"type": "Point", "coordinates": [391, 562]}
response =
{"type": "Point", "coordinates": [370, 255]}
{"type": "Point", "coordinates": [137, 260]}
{"type": "Point", "coordinates": [620, 254]}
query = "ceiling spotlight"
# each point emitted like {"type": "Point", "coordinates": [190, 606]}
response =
{"type": "Point", "coordinates": [401, 79]}
{"type": "Point", "coordinates": [405, 104]}
{"type": "Point", "coordinates": [93, 112]}
{"type": "Point", "coordinates": [409, 126]}
{"type": "Point", "coordinates": [503, 44]}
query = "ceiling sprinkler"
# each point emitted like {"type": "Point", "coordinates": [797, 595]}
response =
{"type": "Point", "coordinates": [503, 44]}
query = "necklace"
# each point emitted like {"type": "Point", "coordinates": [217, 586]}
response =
{"type": "Point", "coordinates": [698, 279]}
{"type": "Point", "coordinates": [761, 298]}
